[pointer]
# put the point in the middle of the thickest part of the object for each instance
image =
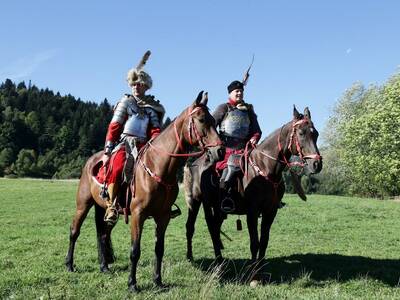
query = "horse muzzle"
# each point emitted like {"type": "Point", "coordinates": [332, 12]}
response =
{"type": "Point", "coordinates": [216, 153]}
{"type": "Point", "coordinates": [313, 164]}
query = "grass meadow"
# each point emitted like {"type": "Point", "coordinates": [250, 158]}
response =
{"type": "Point", "coordinates": [328, 247]}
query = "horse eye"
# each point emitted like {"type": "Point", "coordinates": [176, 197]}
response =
{"type": "Point", "coordinates": [202, 120]}
{"type": "Point", "coordinates": [301, 131]}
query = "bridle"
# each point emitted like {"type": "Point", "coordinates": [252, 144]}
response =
{"type": "Point", "coordinates": [192, 131]}
{"type": "Point", "coordinates": [293, 141]}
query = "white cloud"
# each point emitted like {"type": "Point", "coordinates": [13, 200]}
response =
{"type": "Point", "coordinates": [348, 50]}
{"type": "Point", "coordinates": [25, 66]}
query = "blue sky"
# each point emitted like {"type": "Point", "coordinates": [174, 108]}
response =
{"type": "Point", "coordinates": [306, 52]}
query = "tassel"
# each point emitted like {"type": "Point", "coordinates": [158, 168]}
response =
{"type": "Point", "coordinates": [239, 225]}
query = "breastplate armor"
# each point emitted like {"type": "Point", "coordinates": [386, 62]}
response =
{"type": "Point", "coordinates": [137, 122]}
{"type": "Point", "coordinates": [236, 124]}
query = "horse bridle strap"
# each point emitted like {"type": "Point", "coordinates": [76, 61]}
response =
{"type": "Point", "coordinates": [294, 139]}
{"type": "Point", "coordinates": [191, 127]}
{"type": "Point", "coordinates": [157, 178]}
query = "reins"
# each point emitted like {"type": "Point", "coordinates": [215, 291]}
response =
{"type": "Point", "coordinates": [293, 140]}
{"type": "Point", "coordinates": [191, 128]}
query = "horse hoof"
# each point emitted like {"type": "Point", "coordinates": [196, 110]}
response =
{"type": "Point", "coordinates": [219, 260]}
{"type": "Point", "coordinates": [70, 268]}
{"type": "Point", "coordinates": [160, 285]}
{"type": "Point", "coordinates": [133, 288]}
{"type": "Point", "coordinates": [189, 257]}
{"type": "Point", "coordinates": [254, 283]}
{"type": "Point", "coordinates": [105, 270]}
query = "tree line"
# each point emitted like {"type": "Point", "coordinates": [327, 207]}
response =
{"type": "Point", "coordinates": [361, 147]}
{"type": "Point", "coordinates": [44, 134]}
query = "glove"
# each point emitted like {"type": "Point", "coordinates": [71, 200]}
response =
{"type": "Point", "coordinates": [253, 141]}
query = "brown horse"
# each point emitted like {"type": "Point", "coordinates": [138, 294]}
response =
{"type": "Point", "coordinates": [263, 185]}
{"type": "Point", "coordinates": [154, 189]}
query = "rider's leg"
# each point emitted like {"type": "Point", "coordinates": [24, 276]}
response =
{"type": "Point", "coordinates": [114, 178]}
{"type": "Point", "coordinates": [227, 202]}
{"type": "Point", "coordinates": [111, 211]}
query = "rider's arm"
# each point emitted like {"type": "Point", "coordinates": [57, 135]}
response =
{"type": "Point", "coordinates": [154, 124]}
{"type": "Point", "coordinates": [116, 125]}
{"type": "Point", "coordinates": [255, 130]}
{"type": "Point", "coordinates": [219, 113]}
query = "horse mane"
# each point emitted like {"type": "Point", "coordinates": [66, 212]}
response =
{"type": "Point", "coordinates": [169, 127]}
{"type": "Point", "coordinates": [277, 131]}
{"type": "Point", "coordinates": [182, 114]}
{"type": "Point", "coordinates": [272, 136]}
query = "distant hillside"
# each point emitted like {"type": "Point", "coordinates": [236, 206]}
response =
{"type": "Point", "coordinates": [44, 134]}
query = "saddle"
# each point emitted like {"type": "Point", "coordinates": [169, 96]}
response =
{"type": "Point", "coordinates": [123, 198]}
{"type": "Point", "coordinates": [99, 172]}
{"type": "Point", "coordinates": [127, 187]}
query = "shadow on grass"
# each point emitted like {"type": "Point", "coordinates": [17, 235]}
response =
{"type": "Point", "coordinates": [317, 267]}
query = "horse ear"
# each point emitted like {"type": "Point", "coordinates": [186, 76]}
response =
{"type": "Point", "coordinates": [204, 99]}
{"type": "Point", "coordinates": [198, 99]}
{"type": "Point", "coordinates": [307, 113]}
{"type": "Point", "coordinates": [296, 114]}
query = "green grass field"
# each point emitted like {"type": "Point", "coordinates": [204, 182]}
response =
{"type": "Point", "coordinates": [327, 247]}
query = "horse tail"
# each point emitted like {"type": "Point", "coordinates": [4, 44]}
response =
{"type": "Point", "coordinates": [187, 185]}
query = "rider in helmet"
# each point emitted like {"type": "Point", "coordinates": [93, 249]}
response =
{"type": "Point", "coordinates": [238, 125]}
{"type": "Point", "coordinates": [137, 118]}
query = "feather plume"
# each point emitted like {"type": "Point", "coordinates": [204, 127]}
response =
{"type": "Point", "coordinates": [143, 60]}
{"type": "Point", "coordinates": [247, 74]}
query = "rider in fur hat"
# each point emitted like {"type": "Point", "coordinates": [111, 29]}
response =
{"type": "Point", "coordinates": [137, 118]}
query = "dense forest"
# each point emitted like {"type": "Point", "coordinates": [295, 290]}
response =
{"type": "Point", "coordinates": [44, 134]}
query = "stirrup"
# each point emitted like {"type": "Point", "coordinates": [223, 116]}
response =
{"type": "Point", "coordinates": [228, 205]}
{"type": "Point", "coordinates": [175, 212]}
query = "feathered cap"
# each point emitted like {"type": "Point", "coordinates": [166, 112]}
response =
{"type": "Point", "coordinates": [241, 84]}
{"type": "Point", "coordinates": [137, 75]}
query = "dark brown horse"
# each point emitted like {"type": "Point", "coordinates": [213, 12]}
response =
{"type": "Point", "coordinates": [155, 187]}
{"type": "Point", "coordinates": [263, 185]}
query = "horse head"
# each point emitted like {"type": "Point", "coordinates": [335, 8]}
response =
{"type": "Point", "coordinates": [303, 141]}
{"type": "Point", "coordinates": [199, 129]}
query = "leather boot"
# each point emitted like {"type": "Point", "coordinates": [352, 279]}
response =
{"type": "Point", "coordinates": [111, 215]}
{"type": "Point", "coordinates": [227, 203]}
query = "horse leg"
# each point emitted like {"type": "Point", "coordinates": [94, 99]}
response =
{"type": "Point", "coordinates": [104, 245]}
{"type": "Point", "coordinates": [252, 224]}
{"type": "Point", "coordinates": [214, 229]}
{"type": "Point", "coordinates": [266, 223]}
{"type": "Point", "coordinates": [83, 204]}
{"type": "Point", "coordinates": [137, 221]}
{"type": "Point", "coordinates": [191, 220]}
{"type": "Point", "coordinates": [161, 226]}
